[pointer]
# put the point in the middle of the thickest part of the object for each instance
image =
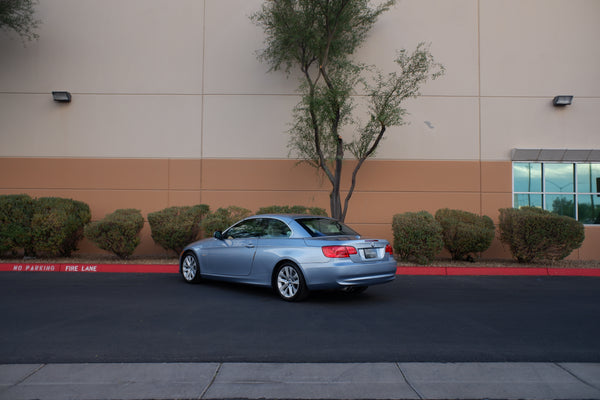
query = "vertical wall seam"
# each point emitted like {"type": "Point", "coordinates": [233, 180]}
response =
{"type": "Point", "coordinates": [478, 5]}
{"type": "Point", "coordinates": [202, 94]}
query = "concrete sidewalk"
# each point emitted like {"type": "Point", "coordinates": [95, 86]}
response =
{"type": "Point", "coordinates": [300, 381]}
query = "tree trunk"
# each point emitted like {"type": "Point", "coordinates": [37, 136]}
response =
{"type": "Point", "coordinates": [335, 204]}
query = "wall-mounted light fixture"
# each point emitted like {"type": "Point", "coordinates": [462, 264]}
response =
{"type": "Point", "coordinates": [62, 97]}
{"type": "Point", "coordinates": [562, 101]}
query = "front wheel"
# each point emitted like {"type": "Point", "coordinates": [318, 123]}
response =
{"type": "Point", "coordinates": [289, 283]}
{"type": "Point", "coordinates": [190, 268]}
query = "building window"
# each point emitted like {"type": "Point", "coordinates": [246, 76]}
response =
{"type": "Point", "coordinates": [571, 189]}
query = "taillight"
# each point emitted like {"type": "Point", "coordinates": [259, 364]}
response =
{"type": "Point", "coordinates": [338, 251]}
{"type": "Point", "coordinates": [389, 250]}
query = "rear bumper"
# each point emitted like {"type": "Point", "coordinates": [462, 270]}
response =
{"type": "Point", "coordinates": [344, 274]}
{"type": "Point", "coordinates": [367, 280]}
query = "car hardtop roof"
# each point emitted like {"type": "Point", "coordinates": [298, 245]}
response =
{"type": "Point", "coordinates": [289, 216]}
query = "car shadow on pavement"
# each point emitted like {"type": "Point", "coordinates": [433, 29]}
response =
{"type": "Point", "coordinates": [222, 288]}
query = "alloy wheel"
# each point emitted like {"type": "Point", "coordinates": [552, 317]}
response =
{"type": "Point", "coordinates": [189, 267]}
{"type": "Point", "coordinates": [288, 282]}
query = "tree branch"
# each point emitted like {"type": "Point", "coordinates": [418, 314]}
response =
{"type": "Point", "coordinates": [361, 160]}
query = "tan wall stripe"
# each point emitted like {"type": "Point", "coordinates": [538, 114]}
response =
{"type": "Point", "coordinates": [384, 188]}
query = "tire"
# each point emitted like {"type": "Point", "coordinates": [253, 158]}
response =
{"type": "Point", "coordinates": [289, 283]}
{"type": "Point", "coordinates": [190, 268]}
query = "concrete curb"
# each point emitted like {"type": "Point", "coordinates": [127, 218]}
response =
{"type": "Point", "coordinates": [391, 380]}
{"type": "Point", "coordinates": [402, 270]}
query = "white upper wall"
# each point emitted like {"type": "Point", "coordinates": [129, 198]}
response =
{"type": "Point", "coordinates": [540, 48]}
{"type": "Point", "coordinates": [180, 78]}
{"type": "Point", "coordinates": [109, 46]}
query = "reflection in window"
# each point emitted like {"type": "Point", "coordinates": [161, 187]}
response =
{"type": "Point", "coordinates": [529, 200]}
{"type": "Point", "coordinates": [571, 189]}
{"type": "Point", "coordinates": [561, 204]}
{"type": "Point", "coordinates": [559, 178]}
{"type": "Point", "coordinates": [588, 208]}
{"type": "Point", "coordinates": [528, 177]}
{"type": "Point", "coordinates": [246, 229]}
{"type": "Point", "coordinates": [588, 178]}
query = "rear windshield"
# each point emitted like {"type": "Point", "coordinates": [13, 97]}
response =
{"type": "Point", "coordinates": [325, 227]}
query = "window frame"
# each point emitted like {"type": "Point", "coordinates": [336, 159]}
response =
{"type": "Point", "coordinates": [575, 193]}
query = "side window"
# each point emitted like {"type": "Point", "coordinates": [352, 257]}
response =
{"type": "Point", "coordinates": [277, 229]}
{"type": "Point", "coordinates": [246, 229]}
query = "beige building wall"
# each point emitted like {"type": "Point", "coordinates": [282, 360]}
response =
{"type": "Point", "coordinates": [170, 106]}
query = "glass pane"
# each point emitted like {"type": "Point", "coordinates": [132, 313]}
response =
{"type": "Point", "coordinates": [277, 229]}
{"type": "Point", "coordinates": [528, 177]}
{"type": "Point", "coordinates": [561, 204]}
{"type": "Point", "coordinates": [588, 178]}
{"type": "Point", "coordinates": [533, 200]}
{"type": "Point", "coordinates": [246, 229]}
{"type": "Point", "coordinates": [589, 209]}
{"type": "Point", "coordinates": [559, 178]}
{"type": "Point", "coordinates": [325, 227]}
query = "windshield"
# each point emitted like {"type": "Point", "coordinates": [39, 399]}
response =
{"type": "Point", "coordinates": [325, 227]}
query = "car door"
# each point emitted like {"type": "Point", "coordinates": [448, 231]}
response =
{"type": "Point", "coordinates": [233, 256]}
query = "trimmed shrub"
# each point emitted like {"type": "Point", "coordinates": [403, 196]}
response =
{"type": "Point", "coordinates": [464, 232]}
{"type": "Point", "coordinates": [175, 227]}
{"type": "Point", "coordinates": [16, 211]}
{"type": "Point", "coordinates": [292, 210]}
{"type": "Point", "coordinates": [117, 232]}
{"type": "Point", "coordinates": [418, 236]}
{"type": "Point", "coordinates": [57, 225]}
{"type": "Point", "coordinates": [223, 218]}
{"type": "Point", "coordinates": [533, 233]}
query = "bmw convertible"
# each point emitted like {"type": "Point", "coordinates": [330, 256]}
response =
{"type": "Point", "coordinates": [293, 254]}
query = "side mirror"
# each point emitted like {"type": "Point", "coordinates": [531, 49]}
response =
{"type": "Point", "coordinates": [218, 235]}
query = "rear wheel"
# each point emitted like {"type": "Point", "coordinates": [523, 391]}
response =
{"type": "Point", "coordinates": [190, 268]}
{"type": "Point", "coordinates": [289, 283]}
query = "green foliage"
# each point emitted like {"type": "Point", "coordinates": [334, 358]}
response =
{"type": "Point", "coordinates": [318, 39]}
{"type": "Point", "coordinates": [292, 210]}
{"type": "Point", "coordinates": [117, 232]}
{"type": "Point", "coordinates": [57, 225]}
{"type": "Point", "coordinates": [15, 222]}
{"type": "Point", "coordinates": [175, 227]}
{"type": "Point", "coordinates": [223, 218]}
{"type": "Point", "coordinates": [533, 233]}
{"type": "Point", "coordinates": [18, 16]}
{"type": "Point", "coordinates": [418, 236]}
{"type": "Point", "coordinates": [465, 233]}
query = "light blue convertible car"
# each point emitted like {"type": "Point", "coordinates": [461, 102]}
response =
{"type": "Point", "coordinates": [293, 254]}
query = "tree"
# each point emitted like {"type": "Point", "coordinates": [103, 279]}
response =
{"type": "Point", "coordinates": [317, 39]}
{"type": "Point", "coordinates": [17, 15]}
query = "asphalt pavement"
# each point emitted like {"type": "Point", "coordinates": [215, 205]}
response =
{"type": "Point", "coordinates": [111, 336]}
{"type": "Point", "coordinates": [139, 318]}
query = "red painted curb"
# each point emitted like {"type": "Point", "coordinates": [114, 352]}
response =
{"type": "Point", "coordinates": [401, 270]}
{"type": "Point", "coordinates": [421, 271]}
{"type": "Point", "coordinates": [574, 272]}
{"type": "Point", "coordinates": [497, 271]}
{"type": "Point", "coordinates": [114, 268]}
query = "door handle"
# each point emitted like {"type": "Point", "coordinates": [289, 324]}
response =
{"type": "Point", "coordinates": [250, 246]}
